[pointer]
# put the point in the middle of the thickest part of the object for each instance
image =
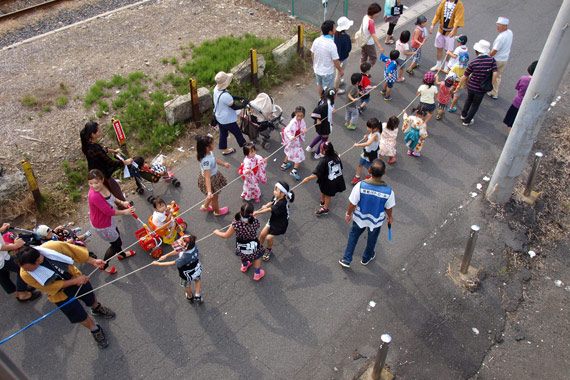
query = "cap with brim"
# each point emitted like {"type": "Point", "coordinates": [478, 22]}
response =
{"type": "Point", "coordinates": [343, 24]}
{"type": "Point", "coordinates": [223, 80]}
{"type": "Point", "coordinates": [181, 244]}
{"type": "Point", "coordinates": [42, 231]}
{"type": "Point", "coordinates": [503, 21]}
{"type": "Point", "coordinates": [483, 47]}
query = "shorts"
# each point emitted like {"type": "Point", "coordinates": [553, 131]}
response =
{"type": "Point", "coordinates": [325, 81]}
{"type": "Point", "coordinates": [442, 41]}
{"type": "Point", "coordinates": [365, 99]}
{"type": "Point", "coordinates": [400, 62]}
{"type": "Point", "coordinates": [74, 311]}
{"type": "Point", "coordinates": [189, 273]}
{"type": "Point", "coordinates": [274, 231]}
{"type": "Point", "coordinates": [418, 55]}
{"type": "Point", "coordinates": [364, 162]}
{"type": "Point", "coordinates": [108, 234]}
{"type": "Point", "coordinates": [217, 182]}
{"type": "Point", "coordinates": [390, 84]}
{"type": "Point", "coordinates": [429, 107]}
{"type": "Point", "coordinates": [442, 106]}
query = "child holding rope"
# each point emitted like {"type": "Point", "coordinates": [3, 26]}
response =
{"type": "Point", "coordinates": [188, 264]}
{"type": "Point", "coordinates": [248, 248]}
{"type": "Point", "coordinates": [322, 115]}
{"type": "Point", "coordinates": [388, 139]}
{"type": "Point", "coordinates": [328, 174]}
{"type": "Point", "coordinates": [371, 146]}
{"type": "Point", "coordinates": [210, 180]}
{"type": "Point", "coordinates": [415, 131]}
{"type": "Point", "coordinates": [253, 171]}
{"type": "Point", "coordinates": [292, 136]}
{"type": "Point", "coordinates": [427, 93]}
{"type": "Point", "coordinates": [279, 220]}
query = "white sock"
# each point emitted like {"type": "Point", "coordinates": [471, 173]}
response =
{"type": "Point", "coordinates": [438, 63]}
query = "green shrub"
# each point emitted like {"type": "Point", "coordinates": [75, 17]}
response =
{"type": "Point", "coordinates": [61, 102]}
{"type": "Point", "coordinates": [29, 100]}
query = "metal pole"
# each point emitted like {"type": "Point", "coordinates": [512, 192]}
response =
{"type": "Point", "coordinates": [32, 182]}
{"type": "Point", "coordinates": [381, 356]}
{"type": "Point", "coordinates": [292, 7]}
{"type": "Point", "coordinates": [547, 77]}
{"type": "Point", "coordinates": [532, 175]}
{"type": "Point", "coordinates": [469, 247]}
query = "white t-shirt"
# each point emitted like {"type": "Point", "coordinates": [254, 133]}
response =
{"type": "Point", "coordinates": [427, 94]}
{"type": "Point", "coordinates": [502, 45]}
{"type": "Point", "coordinates": [454, 61]}
{"type": "Point", "coordinates": [209, 163]}
{"type": "Point", "coordinates": [159, 218]}
{"type": "Point", "coordinates": [4, 255]}
{"type": "Point", "coordinates": [325, 52]}
{"type": "Point", "coordinates": [224, 113]}
{"type": "Point", "coordinates": [374, 146]}
{"type": "Point", "coordinates": [402, 48]}
{"type": "Point", "coordinates": [368, 26]}
{"type": "Point", "coordinates": [354, 198]}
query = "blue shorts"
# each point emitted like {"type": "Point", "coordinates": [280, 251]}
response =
{"type": "Point", "coordinates": [325, 81]}
{"type": "Point", "coordinates": [418, 55]}
{"type": "Point", "coordinates": [429, 107]}
{"type": "Point", "coordinates": [364, 162]}
{"type": "Point", "coordinates": [390, 84]}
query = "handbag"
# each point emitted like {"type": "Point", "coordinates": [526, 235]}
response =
{"type": "Point", "coordinates": [397, 10]}
{"type": "Point", "coordinates": [359, 39]}
{"type": "Point", "coordinates": [214, 122]}
{"type": "Point", "coordinates": [487, 82]}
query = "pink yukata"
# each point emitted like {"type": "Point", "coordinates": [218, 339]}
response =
{"type": "Point", "coordinates": [293, 147]}
{"type": "Point", "coordinates": [251, 181]}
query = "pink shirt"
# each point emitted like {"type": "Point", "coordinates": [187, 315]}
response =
{"type": "Point", "coordinates": [100, 212]}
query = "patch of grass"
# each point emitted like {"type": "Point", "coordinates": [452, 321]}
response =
{"type": "Point", "coordinates": [61, 102]}
{"type": "Point", "coordinates": [312, 35]}
{"type": "Point", "coordinates": [63, 88]}
{"type": "Point", "coordinates": [173, 61]}
{"type": "Point", "coordinates": [76, 177]}
{"type": "Point", "coordinates": [29, 100]}
{"type": "Point", "coordinates": [118, 81]}
{"type": "Point", "coordinates": [164, 61]}
{"type": "Point", "coordinates": [184, 53]}
{"type": "Point", "coordinates": [46, 109]}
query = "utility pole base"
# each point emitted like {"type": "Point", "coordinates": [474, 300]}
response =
{"type": "Point", "coordinates": [367, 375]}
{"type": "Point", "coordinates": [469, 281]}
{"type": "Point", "coordinates": [531, 199]}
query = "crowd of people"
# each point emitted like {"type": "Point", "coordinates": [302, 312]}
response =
{"type": "Point", "coordinates": [50, 266]}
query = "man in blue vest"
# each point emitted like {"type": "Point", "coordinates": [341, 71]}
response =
{"type": "Point", "coordinates": [371, 202]}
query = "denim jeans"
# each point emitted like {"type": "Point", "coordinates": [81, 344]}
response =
{"type": "Point", "coordinates": [353, 237]}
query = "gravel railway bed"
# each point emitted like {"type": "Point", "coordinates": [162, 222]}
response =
{"type": "Point", "coordinates": [55, 19]}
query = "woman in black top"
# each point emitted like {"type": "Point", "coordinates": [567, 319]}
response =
{"type": "Point", "coordinates": [97, 157]}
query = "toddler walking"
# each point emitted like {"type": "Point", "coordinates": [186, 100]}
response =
{"type": "Point", "coordinates": [388, 139]}
{"type": "Point", "coordinates": [292, 136]}
{"type": "Point", "coordinates": [444, 95]}
{"type": "Point", "coordinates": [427, 92]}
{"type": "Point", "coordinates": [415, 131]}
{"type": "Point", "coordinates": [322, 115]}
{"type": "Point", "coordinates": [418, 39]}
{"type": "Point", "coordinates": [252, 171]}
{"type": "Point", "coordinates": [188, 264]}
{"type": "Point", "coordinates": [351, 113]}
{"type": "Point", "coordinates": [390, 72]}
{"type": "Point", "coordinates": [403, 47]}
{"type": "Point", "coordinates": [365, 86]}
{"type": "Point", "coordinates": [371, 147]}
{"type": "Point", "coordinates": [248, 248]}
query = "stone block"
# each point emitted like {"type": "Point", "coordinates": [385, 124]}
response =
{"type": "Point", "coordinates": [282, 54]}
{"type": "Point", "coordinates": [13, 185]}
{"type": "Point", "coordinates": [180, 108]}
{"type": "Point", "coordinates": [242, 72]}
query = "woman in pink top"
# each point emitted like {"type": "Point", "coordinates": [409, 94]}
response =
{"type": "Point", "coordinates": [101, 212]}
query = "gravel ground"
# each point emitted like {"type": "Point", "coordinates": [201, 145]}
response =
{"type": "Point", "coordinates": [66, 14]}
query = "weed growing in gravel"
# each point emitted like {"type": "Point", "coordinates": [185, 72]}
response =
{"type": "Point", "coordinates": [46, 109]}
{"type": "Point", "coordinates": [63, 88]}
{"type": "Point", "coordinates": [76, 175]}
{"type": "Point", "coordinates": [29, 100]}
{"type": "Point", "coordinates": [61, 102]}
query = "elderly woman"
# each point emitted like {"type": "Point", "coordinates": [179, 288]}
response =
{"type": "Point", "coordinates": [368, 30]}
{"type": "Point", "coordinates": [97, 157]}
{"type": "Point", "coordinates": [225, 106]}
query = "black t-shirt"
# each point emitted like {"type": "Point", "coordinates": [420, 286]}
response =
{"type": "Point", "coordinates": [279, 219]}
{"type": "Point", "coordinates": [322, 112]}
{"type": "Point", "coordinates": [329, 176]}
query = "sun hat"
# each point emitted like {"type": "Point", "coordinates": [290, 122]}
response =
{"type": "Point", "coordinates": [181, 245]}
{"type": "Point", "coordinates": [483, 46]}
{"type": "Point", "coordinates": [429, 77]}
{"type": "Point", "coordinates": [503, 21]}
{"type": "Point", "coordinates": [223, 80]}
{"type": "Point", "coordinates": [42, 231]}
{"type": "Point", "coordinates": [343, 24]}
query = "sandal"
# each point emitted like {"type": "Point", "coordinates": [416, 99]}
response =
{"type": "Point", "coordinates": [389, 42]}
{"type": "Point", "coordinates": [392, 160]}
{"type": "Point", "coordinates": [232, 151]}
{"type": "Point", "coordinates": [223, 211]}
{"type": "Point", "coordinates": [110, 270]}
{"type": "Point", "coordinates": [127, 254]}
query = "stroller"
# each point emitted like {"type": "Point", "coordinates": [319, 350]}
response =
{"type": "Point", "coordinates": [143, 173]}
{"type": "Point", "coordinates": [259, 118]}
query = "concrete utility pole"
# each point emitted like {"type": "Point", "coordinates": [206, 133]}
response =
{"type": "Point", "coordinates": [551, 68]}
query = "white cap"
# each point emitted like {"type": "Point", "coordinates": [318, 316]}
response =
{"type": "Point", "coordinates": [343, 24]}
{"type": "Point", "coordinates": [503, 21]}
{"type": "Point", "coordinates": [483, 47]}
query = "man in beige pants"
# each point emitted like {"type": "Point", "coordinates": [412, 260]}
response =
{"type": "Point", "coordinates": [501, 50]}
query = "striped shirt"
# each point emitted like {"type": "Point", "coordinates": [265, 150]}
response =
{"type": "Point", "coordinates": [477, 69]}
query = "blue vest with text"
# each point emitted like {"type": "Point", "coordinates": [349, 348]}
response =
{"type": "Point", "coordinates": [370, 211]}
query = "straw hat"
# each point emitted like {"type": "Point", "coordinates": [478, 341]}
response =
{"type": "Point", "coordinates": [483, 46]}
{"type": "Point", "coordinates": [223, 80]}
{"type": "Point", "coordinates": [343, 24]}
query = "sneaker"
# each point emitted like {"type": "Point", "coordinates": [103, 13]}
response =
{"type": "Point", "coordinates": [438, 117]}
{"type": "Point", "coordinates": [409, 152]}
{"type": "Point", "coordinates": [436, 67]}
{"type": "Point", "coordinates": [189, 299]}
{"type": "Point", "coordinates": [99, 337]}
{"type": "Point", "coordinates": [360, 110]}
{"type": "Point", "coordinates": [369, 260]}
{"type": "Point", "coordinates": [367, 177]}
{"type": "Point", "coordinates": [259, 276]}
{"type": "Point", "coordinates": [410, 71]}
{"type": "Point", "coordinates": [355, 180]}
{"type": "Point", "coordinates": [102, 311]}
{"type": "Point", "coordinates": [295, 175]}
{"type": "Point", "coordinates": [351, 127]}
{"type": "Point", "coordinates": [319, 155]}
{"type": "Point", "coordinates": [416, 154]}
{"type": "Point", "coordinates": [322, 211]}
{"type": "Point", "coordinates": [244, 268]}
{"type": "Point", "coordinates": [344, 264]}
{"type": "Point", "coordinates": [309, 148]}
{"type": "Point", "coordinates": [285, 165]}
{"type": "Point", "coordinates": [468, 124]}
{"type": "Point", "coordinates": [452, 109]}
{"type": "Point", "coordinates": [383, 92]}
{"type": "Point", "coordinates": [341, 91]}
{"type": "Point", "coordinates": [267, 254]}
{"type": "Point", "coordinates": [87, 235]}
{"type": "Point", "coordinates": [322, 203]}
{"type": "Point", "coordinates": [388, 98]}
{"type": "Point", "coordinates": [462, 117]}
{"type": "Point", "coordinates": [77, 230]}
{"type": "Point", "coordinates": [198, 299]}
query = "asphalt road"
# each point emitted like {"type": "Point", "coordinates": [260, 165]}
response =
{"type": "Point", "coordinates": [307, 316]}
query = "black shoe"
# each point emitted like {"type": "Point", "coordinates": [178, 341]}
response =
{"type": "Point", "coordinates": [102, 311]}
{"type": "Point", "coordinates": [34, 294]}
{"type": "Point", "coordinates": [190, 299]}
{"type": "Point", "coordinates": [198, 299]}
{"type": "Point", "coordinates": [344, 263]}
{"type": "Point", "coordinates": [368, 261]}
{"type": "Point", "coordinates": [322, 211]}
{"type": "Point", "coordinates": [99, 337]}
{"type": "Point", "coordinates": [91, 254]}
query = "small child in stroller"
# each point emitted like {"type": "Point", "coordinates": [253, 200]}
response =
{"type": "Point", "coordinates": [152, 174]}
{"type": "Point", "coordinates": [43, 233]}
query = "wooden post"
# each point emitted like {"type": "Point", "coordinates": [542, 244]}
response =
{"type": "Point", "coordinates": [254, 79]}
{"type": "Point", "coordinates": [195, 102]}
{"type": "Point", "coordinates": [301, 41]}
{"type": "Point", "coordinates": [32, 182]}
